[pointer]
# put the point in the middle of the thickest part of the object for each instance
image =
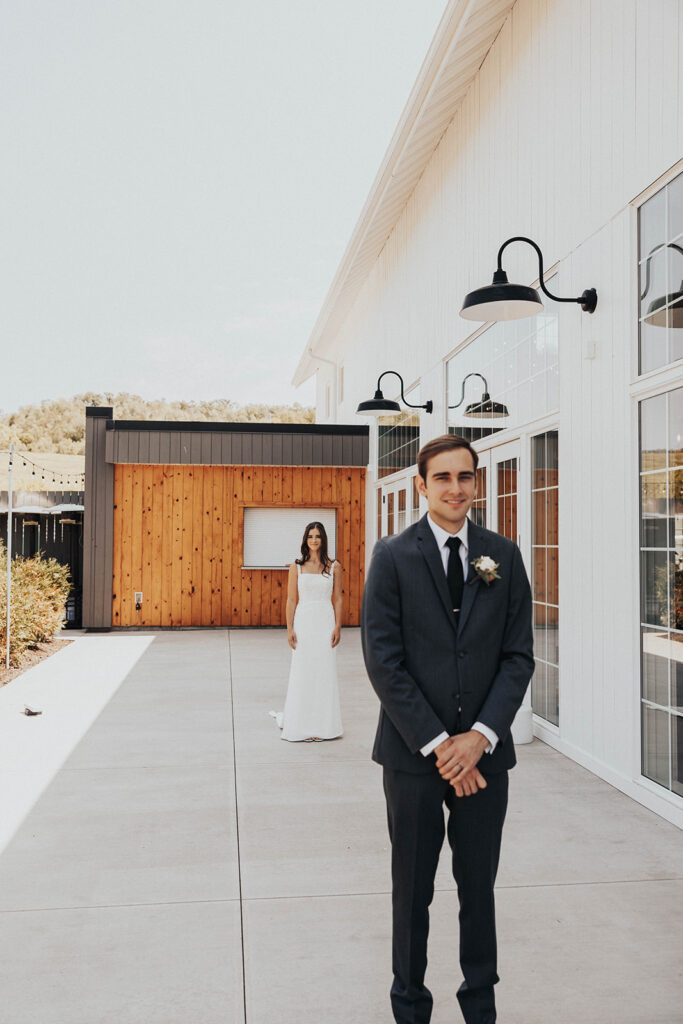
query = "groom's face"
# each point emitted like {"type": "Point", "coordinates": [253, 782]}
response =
{"type": "Point", "coordinates": [450, 487]}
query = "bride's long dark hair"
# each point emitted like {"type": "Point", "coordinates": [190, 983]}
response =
{"type": "Point", "coordinates": [306, 554]}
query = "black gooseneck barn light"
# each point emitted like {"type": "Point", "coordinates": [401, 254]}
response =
{"type": "Point", "coordinates": [667, 310]}
{"type": "Point", "coordinates": [381, 406]}
{"type": "Point", "coordinates": [504, 301]}
{"type": "Point", "coordinates": [484, 409]}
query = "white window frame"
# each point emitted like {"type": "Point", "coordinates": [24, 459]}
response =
{"type": "Point", "coordinates": [648, 385]}
{"type": "Point", "coordinates": [287, 524]}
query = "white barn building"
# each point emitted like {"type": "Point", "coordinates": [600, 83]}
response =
{"type": "Point", "coordinates": [562, 122]}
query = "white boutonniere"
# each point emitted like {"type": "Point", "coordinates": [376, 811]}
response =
{"type": "Point", "coordinates": [485, 567]}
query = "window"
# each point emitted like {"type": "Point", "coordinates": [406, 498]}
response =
{"type": "Point", "coordinates": [660, 272]}
{"type": "Point", "coordinates": [545, 575]}
{"type": "Point", "coordinates": [390, 514]}
{"type": "Point", "coordinates": [272, 536]}
{"type": "Point", "coordinates": [661, 588]}
{"type": "Point", "coordinates": [478, 507]}
{"type": "Point", "coordinates": [398, 439]}
{"type": "Point", "coordinates": [519, 359]}
{"type": "Point", "coordinates": [507, 498]}
{"type": "Point", "coordinates": [415, 501]}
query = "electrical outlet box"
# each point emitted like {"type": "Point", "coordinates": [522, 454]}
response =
{"type": "Point", "coordinates": [138, 597]}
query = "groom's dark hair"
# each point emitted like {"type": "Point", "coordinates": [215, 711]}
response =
{"type": "Point", "coordinates": [445, 443]}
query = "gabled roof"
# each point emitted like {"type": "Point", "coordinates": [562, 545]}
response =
{"type": "Point", "coordinates": [464, 36]}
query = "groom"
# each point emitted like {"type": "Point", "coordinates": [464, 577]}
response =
{"type": "Point", "coordinates": [448, 649]}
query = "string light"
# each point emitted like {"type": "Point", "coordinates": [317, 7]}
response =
{"type": "Point", "coordinates": [74, 481]}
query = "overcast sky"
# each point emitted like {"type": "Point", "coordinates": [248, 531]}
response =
{"type": "Point", "coordinates": [179, 181]}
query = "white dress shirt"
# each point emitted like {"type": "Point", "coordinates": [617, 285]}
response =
{"type": "Point", "coordinates": [442, 536]}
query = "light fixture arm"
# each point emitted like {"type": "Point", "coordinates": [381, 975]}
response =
{"type": "Point", "coordinates": [428, 406]}
{"type": "Point", "coordinates": [462, 396]}
{"type": "Point", "coordinates": [667, 245]}
{"type": "Point", "coordinates": [589, 298]}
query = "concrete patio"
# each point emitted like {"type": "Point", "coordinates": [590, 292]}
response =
{"type": "Point", "coordinates": [167, 859]}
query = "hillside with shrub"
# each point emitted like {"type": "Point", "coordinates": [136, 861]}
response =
{"type": "Point", "coordinates": [58, 425]}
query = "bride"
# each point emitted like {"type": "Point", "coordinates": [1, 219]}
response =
{"type": "Point", "coordinates": [312, 709]}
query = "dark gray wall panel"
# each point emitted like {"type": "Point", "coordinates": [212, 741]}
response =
{"type": "Point", "coordinates": [176, 444]}
{"type": "Point", "coordinates": [216, 450]}
{"type": "Point", "coordinates": [257, 449]}
{"type": "Point", "coordinates": [247, 450]}
{"type": "Point", "coordinates": [154, 447]}
{"type": "Point", "coordinates": [312, 447]}
{"type": "Point", "coordinates": [122, 447]}
{"type": "Point", "coordinates": [347, 451]}
{"type": "Point", "coordinates": [328, 451]}
{"type": "Point", "coordinates": [98, 523]}
{"type": "Point", "coordinates": [143, 447]}
{"type": "Point", "coordinates": [164, 447]}
{"type": "Point", "coordinates": [185, 453]}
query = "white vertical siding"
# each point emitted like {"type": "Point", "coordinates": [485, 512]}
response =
{"type": "Point", "coordinates": [577, 108]}
{"type": "Point", "coordinates": [598, 560]}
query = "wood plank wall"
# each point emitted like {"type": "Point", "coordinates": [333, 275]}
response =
{"type": "Point", "coordinates": [178, 537]}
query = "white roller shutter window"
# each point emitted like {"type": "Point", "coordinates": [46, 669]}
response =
{"type": "Point", "coordinates": [272, 536]}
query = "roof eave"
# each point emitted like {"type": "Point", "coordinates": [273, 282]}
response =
{"type": "Point", "coordinates": [444, 44]}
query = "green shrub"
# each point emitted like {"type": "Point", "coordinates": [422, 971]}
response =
{"type": "Point", "coordinates": [40, 587]}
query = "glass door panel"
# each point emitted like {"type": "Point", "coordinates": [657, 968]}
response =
{"type": "Point", "coordinates": [504, 477]}
{"type": "Point", "coordinates": [398, 506]}
{"type": "Point", "coordinates": [478, 507]}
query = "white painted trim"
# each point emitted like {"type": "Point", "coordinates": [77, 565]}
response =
{"type": "Point", "coordinates": [393, 478]}
{"type": "Point", "coordinates": [664, 378]}
{"type": "Point", "coordinates": [549, 421]}
{"type": "Point", "coordinates": [658, 184]}
{"type": "Point", "coordinates": [636, 682]}
{"type": "Point", "coordinates": [655, 798]}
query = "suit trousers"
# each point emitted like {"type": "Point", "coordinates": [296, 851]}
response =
{"type": "Point", "coordinates": [415, 814]}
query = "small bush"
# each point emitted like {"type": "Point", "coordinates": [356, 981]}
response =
{"type": "Point", "coordinates": [40, 587]}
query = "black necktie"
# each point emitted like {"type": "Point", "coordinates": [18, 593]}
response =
{"type": "Point", "coordinates": [454, 574]}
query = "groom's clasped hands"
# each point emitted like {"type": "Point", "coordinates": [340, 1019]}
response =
{"type": "Point", "coordinates": [457, 759]}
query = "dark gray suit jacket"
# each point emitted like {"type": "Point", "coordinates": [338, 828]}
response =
{"type": "Point", "coordinates": [423, 667]}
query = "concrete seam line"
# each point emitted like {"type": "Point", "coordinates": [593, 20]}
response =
{"type": "Point", "coordinates": [237, 830]}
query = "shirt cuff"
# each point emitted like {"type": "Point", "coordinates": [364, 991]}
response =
{"type": "Point", "coordinates": [426, 750]}
{"type": "Point", "coordinates": [489, 734]}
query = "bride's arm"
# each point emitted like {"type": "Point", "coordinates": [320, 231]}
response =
{"type": "Point", "coordinates": [337, 602]}
{"type": "Point", "coordinates": [291, 604]}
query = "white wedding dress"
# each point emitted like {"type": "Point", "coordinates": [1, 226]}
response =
{"type": "Point", "coordinates": [312, 703]}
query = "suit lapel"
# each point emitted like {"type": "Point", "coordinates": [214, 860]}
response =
{"type": "Point", "coordinates": [432, 556]}
{"type": "Point", "coordinates": [473, 584]}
